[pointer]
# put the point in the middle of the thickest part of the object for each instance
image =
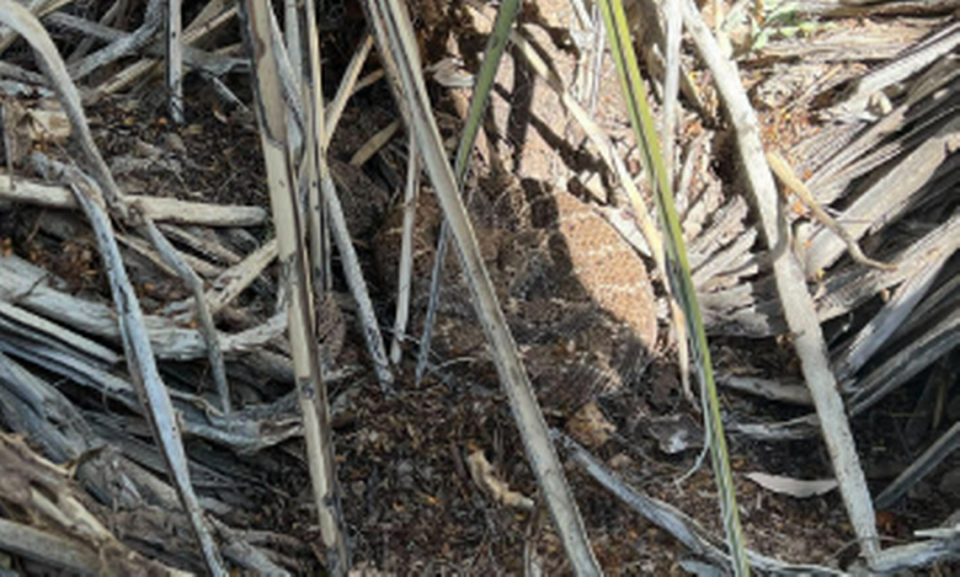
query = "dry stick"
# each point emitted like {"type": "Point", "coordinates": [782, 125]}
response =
{"type": "Point", "coordinates": [263, 45]}
{"type": "Point", "coordinates": [213, 64]}
{"type": "Point", "coordinates": [796, 301]}
{"type": "Point", "coordinates": [915, 555]}
{"type": "Point", "coordinates": [332, 220]}
{"type": "Point", "coordinates": [921, 467]}
{"type": "Point", "coordinates": [204, 315]}
{"type": "Point", "coordinates": [399, 51]}
{"type": "Point", "coordinates": [174, 55]}
{"type": "Point", "coordinates": [240, 276]}
{"type": "Point", "coordinates": [335, 222]}
{"type": "Point", "coordinates": [318, 216]}
{"type": "Point", "coordinates": [347, 86]}
{"type": "Point", "coordinates": [143, 366]}
{"type": "Point", "coordinates": [50, 549]}
{"type": "Point", "coordinates": [781, 168]}
{"type": "Point", "coordinates": [14, 72]}
{"type": "Point", "coordinates": [493, 53]}
{"type": "Point", "coordinates": [146, 250]}
{"type": "Point", "coordinates": [356, 284]}
{"type": "Point", "coordinates": [153, 394]}
{"type": "Point", "coordinates": [158, 209]}
{"type": "Point", "coordinates": [321, 251]}
{"type": "Point", "coordinates": [209, 247]}
{"type": "Point", "coordinates": [405, 280]}
{"type": "Point", "coordinates": [35, 400]}
{"type": "Point", "coordinates": [87, 43]}
{"type": "Point", "coordinates": [239, 550]}
{"type": "Point", "coordinates": [878, 331]}
{"type": "Point", "coordinates": [676, 522]}
{"type": "Point", "coordinates": [152, 20]}
{"type": "Point", "coordinates": [292, 42]}
{"type": "Point", "coordinates": [48, 58]}
{"type": "Point", "coordinates": [203, 24]}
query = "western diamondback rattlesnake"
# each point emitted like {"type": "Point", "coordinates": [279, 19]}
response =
{"type": "Point", "coordinates": [576, 296]}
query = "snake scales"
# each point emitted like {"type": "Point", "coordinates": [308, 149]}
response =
{"type": "Point", "coordinates": [576, 296]}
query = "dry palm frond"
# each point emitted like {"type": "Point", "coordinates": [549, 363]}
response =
{"type": "Point", "coordinates": [797, 303]}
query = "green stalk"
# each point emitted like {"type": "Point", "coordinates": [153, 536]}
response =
{"type": "Point", "coordinates": [678, 268]}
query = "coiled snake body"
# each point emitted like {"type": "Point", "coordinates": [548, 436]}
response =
{"type": "Point", "coordinates": [576, 295]}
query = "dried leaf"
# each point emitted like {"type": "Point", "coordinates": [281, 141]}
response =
{"type": "Point", "coordinates": [798, 488]}
{"type": "Point", "coordinates": [449, 72]}
{"type": "Point", "coordinates": [484, 476]}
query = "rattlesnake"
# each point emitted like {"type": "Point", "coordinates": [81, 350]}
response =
{"type": "Point", "coordinates": [576, 296]}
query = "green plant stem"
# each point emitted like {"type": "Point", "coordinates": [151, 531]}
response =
{"type": "Point", "coordinates": [678, 268]}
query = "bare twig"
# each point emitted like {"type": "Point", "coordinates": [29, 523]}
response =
{"type": "Point", "coordinates": [921, 467]}
{"type": "Point", "coordinates": [143, 368]}
{"type": "Point", "coordinates": [204, 315]}
{"type": "Point", "coordinates": [405, 280]}
{"type": "Point", "coordinates": [273, 112]}
{"type": "Point", "coordinates": [174, 44]}
{"type": "Point", "coordinates": [215, 14]}
{"type": "Point", "coordinates": [159, 209]}
{"type": "Point", "coordinates": [676, 522]}
{"type": "Point", "coordinates": [152, 19]}
{"type": "Point", "coordinates": [781, 168]}
{"type": "Point", "coordinates": [347, 86]}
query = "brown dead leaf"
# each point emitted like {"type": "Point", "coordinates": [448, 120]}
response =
{"type": "Point", "coordinates": [485, 477]}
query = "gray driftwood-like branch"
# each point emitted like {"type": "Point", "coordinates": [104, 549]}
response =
{"type": "Point", "coordinates": [143, 367]}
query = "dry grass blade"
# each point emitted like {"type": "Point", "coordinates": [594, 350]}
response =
{"type": "Point", "coordinates": [273, 112]}
{"type": "Point", "coordinates": [789, 178]}
{"type": "Point", "coordinates": [405, 282]}
{"type": "Point", "coordinates": [399, 49]}
{"type": "Point", "coordinates": [797, 302]}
